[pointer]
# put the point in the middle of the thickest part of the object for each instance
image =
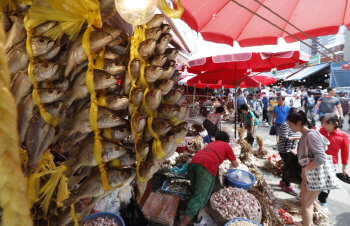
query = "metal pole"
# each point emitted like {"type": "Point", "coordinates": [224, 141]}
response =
{"type": "Point", "coordinates": [235, 99]}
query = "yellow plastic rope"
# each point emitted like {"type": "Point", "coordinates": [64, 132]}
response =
{"type": "Point", "coordinates": [169, 12]}
{"type": "Point", "coordinates": [94, 18]}
{"type": "Point", "coordinates": [115, 163]}
{"type": "Point", "coordinates": [175, 121]}
{"type": "Point", "coordinates": [36, 98]}
{"type": "Point", "coordinates": [13, 196]}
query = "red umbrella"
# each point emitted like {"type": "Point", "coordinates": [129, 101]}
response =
{"type": "Point", "coordinates": [223, 21]}
{"type": "Point", "coordinates": [227, 77]}
{"type": "Point", "coordinates": [257, 62]}
{"type": "Point", "coordinates": [345, 67]}
{"type": "Point", "coordinates": [263, 78]}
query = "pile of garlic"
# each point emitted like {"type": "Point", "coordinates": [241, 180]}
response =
{"type": "Point", "coordinates": [234, 203]}
{"type": "Point", "coordinates": [226, 166]}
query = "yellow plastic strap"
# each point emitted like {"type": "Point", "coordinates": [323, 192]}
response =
{"type": "Point", "coordinates": [108, 134]}
{"type": "Point", "coordinates": [36, 98]}
{"type": "Point", "coordinates": [144, 104]}
{"type": "Point", "coordinates": [139, 160]}
{"type": "Point", "coordinates": [100, 60]}
{"type": "Point", "coordinates": [63, 192]}
{"type": "Point", "coordinates": [93, 115]}
{"type": "Point", "coordinates": [102, 98]}
{"type": "Point", "coordinates": [178, 141]}
{"type": "Point", "coordinates": [157, 149]}
{"type": "Point", "coordinates": [73, 215]}
{"type": "Point", "coordinates": [115, 163]}
{"type": "Point", "coordinates": [169, 12]}
{"type": "Point", "coordinates": [175, 121]}
{"type": "Point", "coordinates": [149, 122]}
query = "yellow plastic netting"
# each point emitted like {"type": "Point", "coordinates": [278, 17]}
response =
{"type": "Point", "coordinates": [13, 195]}
{"type": "Point", "coordinates": [173, 13]}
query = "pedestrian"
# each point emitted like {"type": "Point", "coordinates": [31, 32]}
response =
{"type": "Point", "coordinates": [213, 122]}
{"type": "Point", "coordinates": [289, 90]}
{"type": "Point", "coordinates": [257, 104]}
{"type": "Point", "coordinates": [230, 96]}
{"type": "Point", "coordinates": [251, 122]}
{"type": "Point", "coordinates": [296, 98]}
{"type": "Point", "coordinates": [203, 172]}
{"type": "Point", "coordinates": [266, 108]}
{"type": "Point", "coordinates": [283, 92]}
{"type": "Point", "coordinates": [279, 116]}
{"type": "Point", "coordinates": [344, 102]}
{"type": "Point", "coordinates": [316, 144]}
{"type": "Point", "coordinates": [287, 142]}
{"type": "Point", "coordinates": [240, 101]}
{"type": "Point", "coordinates": [308, 104]}
{"type": "Point", "coordinates": [327, 103]}
{"type": "Point", "coordinates": [339, 140]}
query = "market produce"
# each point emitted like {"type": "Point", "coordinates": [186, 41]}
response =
{"type": "Point", "coordinates": [226, 166]}
{"type": "Point", "coordinates": [195, 145]}
{"type": "Point", "coordinates": [241, 223]}
{"type": "Point", "coordinates": [234, 203]}
{"type": "Point", "coordinates": [81, 91]}
{"type": "Point", "coordinates": [101, 222]}
{"type": "Point", "coordinates": [179, 186]}
{"type": "Point", "coordinates": [261, 151]}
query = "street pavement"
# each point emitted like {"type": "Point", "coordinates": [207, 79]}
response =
{"type": "Point", "coordinates": [338, 200]}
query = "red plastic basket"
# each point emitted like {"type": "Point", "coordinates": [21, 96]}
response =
{"type": "Point", "coordinates": [180, 149]}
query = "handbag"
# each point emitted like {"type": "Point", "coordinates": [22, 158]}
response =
{"type": "Point", "coordinates": [250, 138]}
{"type": "Point", "coordinates": [272, 130]}
{"type": "Point", "coordinates": [323, 177]}
{"type": "Point", "coordinates": [291, 169]}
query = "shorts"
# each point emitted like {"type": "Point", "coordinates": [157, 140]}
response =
{"type": "Point", "coordinates": [277, 127]}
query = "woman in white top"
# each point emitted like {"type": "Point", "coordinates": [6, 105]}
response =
{"type": "Point", "coordinates": [296, 98]}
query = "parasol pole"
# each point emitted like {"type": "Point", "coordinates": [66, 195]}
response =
{"type": "Point", "coordinates": [235, 99]}
{"type": "Point", "coordinates": [194, 94]}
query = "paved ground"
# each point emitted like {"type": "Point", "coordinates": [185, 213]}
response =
{"type": "Point", "coordinates": [338, 200]}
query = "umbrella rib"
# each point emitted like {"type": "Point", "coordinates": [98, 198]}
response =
{"type": "Point", "coordinates": [288, 33]}
{"type": "Point", "coordinates": [299, 30]}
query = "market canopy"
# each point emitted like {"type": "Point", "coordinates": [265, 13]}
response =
{"type": "Point", "coordinates": [307, 71]}
{"type": "Point", "coordinates": [257, 62]}
{"type": "Point", "coordinates": [224, 21]}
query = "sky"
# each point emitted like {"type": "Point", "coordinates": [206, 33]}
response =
{"type": "Point", "coordinates": [206, 49]}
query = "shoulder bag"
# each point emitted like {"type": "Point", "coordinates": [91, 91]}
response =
{"type": "Point", "coordinates": [323, 177]}
{"type": "Point", "coordinates": [272, 130]}
{"type": "Point", "coordinates": [292, 169]}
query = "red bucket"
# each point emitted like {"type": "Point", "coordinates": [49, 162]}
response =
{"type": "Point", "coordinates": [180, 149]}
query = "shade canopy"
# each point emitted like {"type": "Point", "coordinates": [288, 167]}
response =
{"type": "Point", "coordinates": [223, 21]}
{"type": "Point", "coordinates": [227, 77]}
{"type": "Point", "coordinates": [263, 78]}
{"type": "Point", "coordinates": [307, 71]}
{"type": "Point", "coordinates": [257, 62]}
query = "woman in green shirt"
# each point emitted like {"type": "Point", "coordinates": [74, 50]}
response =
{"type": "Point", "coordinates": [250, 118]}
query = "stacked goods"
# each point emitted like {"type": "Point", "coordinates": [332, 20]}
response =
{"type": "Point", "coordinates": [241, 223]}
{"type": "Point", "coordinates": [226, 166]}
{"type": "Point", "coordinates": [234, 203]}
{"type": "Point", "coordinates": [65, 82]}
{"type": "Point", "coordinates": [101, 222]}
{"type": "Point", "coordinates": [195, 129]}
{"type": "Point", "coordinates": [195, 145]}
{"type": "Point", "coordinates": [261, 152]}
{"type": "Point", "coordinates": [179, 186]}
{"type": "Point", "coordinates": [233, 142]}
{"type": "Point", "coordinates": [273, 164]}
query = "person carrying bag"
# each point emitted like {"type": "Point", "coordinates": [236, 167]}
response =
{"type": "Point", "coordinates": [316, 173]}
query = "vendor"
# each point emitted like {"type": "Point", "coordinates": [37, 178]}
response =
{"type": "Point", "coordinates": [213, 122]}
{"type": "Point", "coordinates": [203, 172]}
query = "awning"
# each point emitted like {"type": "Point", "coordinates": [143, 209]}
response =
{"type": "Point", "coordinates": [283, 75]}
{"type": "Point", "coordinates": [307, 72]}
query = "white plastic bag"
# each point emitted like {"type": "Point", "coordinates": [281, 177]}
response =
{"type": "Point", "coordinates": [110, 203]}
{"type": "Point", "coordinates": [240, 176]}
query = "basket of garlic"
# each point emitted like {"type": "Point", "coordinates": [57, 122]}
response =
{"type": "Point", "coordinates": [233, 203]}
{"type": "Point", "coordinates": [242, 222]}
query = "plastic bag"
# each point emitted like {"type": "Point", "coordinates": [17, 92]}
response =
{"type": "Point", "coordinates": [240, 176]}
{"type": "Point", "coordinates": [287, 218]}
{"type": "Point", "coordinates": [133, 215]}
{"type": "Point", "coordinates": [110, 203]}
{"type": "Point", "coordinates": [205, 221]}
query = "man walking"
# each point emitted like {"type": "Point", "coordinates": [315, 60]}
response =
{"type": "Point", "coordinates": [308, 104]}
{"type": "Point", "coordinates": [279, 116]}
{"type": "Point", "coordinates": [257, 104]}
{"type": "Point", "coordinates": [344, 102]}
{"type": "Point", "coordinates": [266, 108]}
{"type": "Point", "coordinates": [240, 101]}
{"type": "Point", "coordinates": [327, 103]}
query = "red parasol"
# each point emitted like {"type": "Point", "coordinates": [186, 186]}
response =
{"type": "Point", "coordinates": [227, 77]}
{"type": "Point", "coordinates": [257, 62]}
{"type": "Point", "coordinates": [224, 21]}
{"type": "Point", "coordinates": [263, 78]}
